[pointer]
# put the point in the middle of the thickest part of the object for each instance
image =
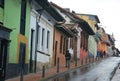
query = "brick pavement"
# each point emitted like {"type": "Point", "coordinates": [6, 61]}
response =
{"type": "Point", "coordinates": [51, 71]}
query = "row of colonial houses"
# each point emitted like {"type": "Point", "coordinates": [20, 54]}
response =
{"type": "Point", "coordinates": [34, 33]}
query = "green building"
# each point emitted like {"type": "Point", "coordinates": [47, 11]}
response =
{"type": "Point", "coordinates": [13, 16]}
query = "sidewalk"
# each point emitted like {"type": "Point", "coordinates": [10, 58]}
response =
{"type": "Point", "coordinates": [53, 71]}
{"type": "Point", "coordinates": [116, 76]}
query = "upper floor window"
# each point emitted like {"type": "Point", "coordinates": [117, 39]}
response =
{"type": "Point", "coordinates": [43, 34]}
{"type": "Point", "coordinates": [23, 17]}
{"type": "Point", "coordinates": [61, 43]}
{"type": "Point", "coordinates": [1, 3]}
{"type": "Point", "coordinates": [71, 42]}
{"type": "Point", "coordinates": [38, 34]}
{"type": "Point", "coordinates": [48, 38]}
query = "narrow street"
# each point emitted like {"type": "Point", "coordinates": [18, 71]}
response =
{"type": "Point", "coordinates": [103, 71]}
{"type": "Point", "coordinates": [68, 40]}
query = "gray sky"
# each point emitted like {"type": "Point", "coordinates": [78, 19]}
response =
{"type": "Point", "coordinates": [107, 10]}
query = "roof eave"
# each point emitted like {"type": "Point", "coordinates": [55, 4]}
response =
{"type": "Point", "coordinates": [98, 21]}
{"type": "Point", "coordinates": [48, 7]}
{"type": "Point", "coordinates": [87, 27]}
{"type": "Point", "coordinates": [66, 31]}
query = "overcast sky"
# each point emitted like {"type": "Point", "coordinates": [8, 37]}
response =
{"type": "Point", "coordinates": [108, 12]}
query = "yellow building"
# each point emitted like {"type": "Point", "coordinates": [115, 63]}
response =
{"type": "Point", "coordinates": [92, 43]}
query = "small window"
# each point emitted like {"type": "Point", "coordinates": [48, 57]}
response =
{"type": "Point", "coordinates": [1, 3]}
{"type": "Point", "coordinates": [71, 42]}
{"type": "Point", "coordinates": [23, 17]}
{"type": "Point", "coordinates": [64, 45]}
{"type": "Point", "coordinates": [48, 38]}
{"type": "Point", "coordinates": [38, 34]}
{"type": "Point", "coordinates": [61, 43]}
{"type": "Point", "coordinates": [43, 33]}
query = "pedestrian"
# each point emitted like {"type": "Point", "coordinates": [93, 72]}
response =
{"type": "Point", "coordinates": [67, 57]}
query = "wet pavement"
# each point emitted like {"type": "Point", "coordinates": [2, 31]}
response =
{"type": "Point", "coordinates": [102, 71]}
{"type": "Point", "coordinates": [73, 73]}
{"type": "Point", "coordinates": [116, 76]}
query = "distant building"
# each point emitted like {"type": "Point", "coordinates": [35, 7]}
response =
{"type": "Point", "coordinates": [92, 20]}
{"type": "Point", "coordinates": [111, 42]}
{"type": "Point", "coordinates": [103, 44]}
{"type": "Point", "coordinates": [80, 28]}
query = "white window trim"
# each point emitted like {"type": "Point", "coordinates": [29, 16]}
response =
{"type": "Point", "coordinates": [44, 47]}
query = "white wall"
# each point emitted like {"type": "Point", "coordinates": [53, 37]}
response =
{"type": "Point", "coordinates": [92, 45]}
{"type": "Point", "coordinates": [32, 27]}
{"type": "Point", "coordinates": [48, 26]}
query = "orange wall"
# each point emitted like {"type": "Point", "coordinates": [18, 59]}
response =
{"type": "Point", "coordinates": [102, 45]}
{"type": "Point", "coordinates": [83, 54]}
{"type": "Point", "coordinates": [59, 55]}
{"type": "Point", "coordinates": [84, 45]}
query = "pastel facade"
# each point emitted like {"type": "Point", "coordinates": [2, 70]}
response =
{"type": "Point", "coordinates": [74, 22]}
{"type": "Point", "coordinates": [63, 37]}
{"type": "Point", "coordinates": [103, 44]}
{"type": "Point", "coordinates": [42, 35]}
{"type": "Point", "coordinates": [86, 32]}
{"type": "Point", "coordinates": [37, 33]}
{"type": "Point", "coordinates": [92, 43]}
{"type": "Point", "coordinates": [61, 42]}
{"type": "Point", "coordinates": [16, 20]}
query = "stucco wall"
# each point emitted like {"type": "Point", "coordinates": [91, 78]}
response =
{"type": "Point", "coordinates": [59, 55]}
{"type": "Point", "coordinates": [12, 11]}
{"type": "Point", "coordinates": [44, 53]}
{"type": "Point", "coordinates": [1, 14]}
{"type": "Point", "coordinates": [92, 45]}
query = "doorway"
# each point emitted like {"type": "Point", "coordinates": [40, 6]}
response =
{"type": "Point", "coordinates": [31, 51]}
{"type": "Point", "coordinates": [22, 56]}
{"type": "Point", "coordinates": [3, 58]}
